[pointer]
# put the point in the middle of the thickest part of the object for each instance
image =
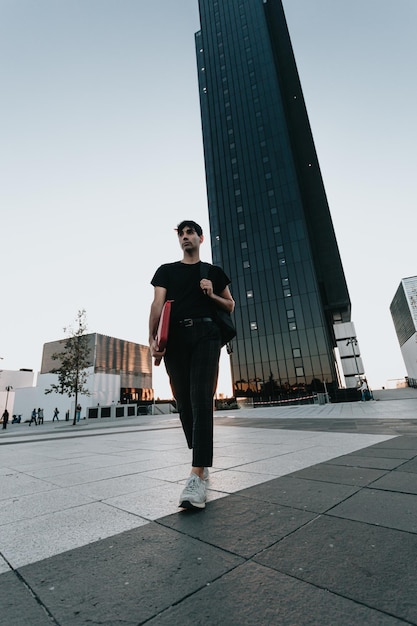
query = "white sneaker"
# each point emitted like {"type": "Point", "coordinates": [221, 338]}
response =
{"type": "Point", "coordinates": [194, 493]}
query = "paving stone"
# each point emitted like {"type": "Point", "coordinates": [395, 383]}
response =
{"type": "Point", "coordinates": [239, 526]}
{"type": "Point", "coordinates": [387, 453]}
{"type": "Point", "coordinates": [326, 472]}
{"type": "Point", "coordinates": [308, 495]}
{"type": "Point", "coordinates": [383, 508]}
{"type": "Point", "coordinates": [405, 442]}
{"type": "Point", "coordinates": [126, 579]}
{"type": "Point", "coordinates": [405, 482]}
{"type": "Point", "coordinates": [19, 607]}
{"type": "Point", "coordinates": [410, 466]}
{"type": "Point", "coordinates": [352, 460]}
{"type": "Point", "coordinates": [369, 564]}
{"type": "Point", "coordinates": [268, 597]}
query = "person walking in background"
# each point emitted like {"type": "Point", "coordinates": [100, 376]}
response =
{"type": "Point", "coordinates": [40, 416]}
{"type": "Point", "coordinates": [363, 388]}
{"type": "Point", "coordinates": [193, 349]}
{"type": "Point", "coordinates": [33, 418]}
{"type": "Point", "coordinates": [5, 417]}
{"type": "Point", "coordinates": [78, 412]}
{"type": "Point", "coordinates": [56, 413]}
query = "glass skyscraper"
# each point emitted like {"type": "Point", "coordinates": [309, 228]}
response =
{"type": "Point", "coordinates": [270, 223]}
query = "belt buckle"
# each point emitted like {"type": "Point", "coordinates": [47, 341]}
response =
{"type": "Point", "coordinates": [188, 322]}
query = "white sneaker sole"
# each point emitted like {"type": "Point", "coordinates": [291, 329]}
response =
{"type": "Point", "coordinates": [186, 504]}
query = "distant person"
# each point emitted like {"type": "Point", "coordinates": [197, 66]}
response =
{"type": "Point", "coordinates": [67, 415]}
{"type": "Point", "coordinates": [5, 417]}
{"type": "Point", "coordinates": [78, 412]}
{"type": "Point", "coordinates": [33, 418]}
{"type": "Point", "coordinates": [56, 413]}
{"type": "Point", "coordinates": [364, 391]}
{"type": "Point", "coordinates": [40, 416]}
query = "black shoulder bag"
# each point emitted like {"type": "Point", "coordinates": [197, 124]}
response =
{"type": "Point", "coordinates": [220, 316]}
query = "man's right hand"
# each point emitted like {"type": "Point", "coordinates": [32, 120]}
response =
{"type": "Point", "coordinates": [156, 353]}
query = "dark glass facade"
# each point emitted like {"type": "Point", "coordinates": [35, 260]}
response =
{"type": "Point", "coordinates": [270, 223]}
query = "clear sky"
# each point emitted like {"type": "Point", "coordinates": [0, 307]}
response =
{"type": "Point", "coordinates": [101, 156]}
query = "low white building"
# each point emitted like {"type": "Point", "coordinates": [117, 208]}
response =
{"type": "Point", "coordinates": [12, 381]}
{"type": "Point", "coordinates": [119, 372]}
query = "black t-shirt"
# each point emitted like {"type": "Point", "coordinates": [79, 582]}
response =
{"type": "Point", "coordinates": [182, 282]}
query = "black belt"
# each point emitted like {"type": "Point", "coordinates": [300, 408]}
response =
{"type": "Point", "coordinates": [196, 320]}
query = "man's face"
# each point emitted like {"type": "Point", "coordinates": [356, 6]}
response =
{"type": "Point", "coordinates": [188, 238]}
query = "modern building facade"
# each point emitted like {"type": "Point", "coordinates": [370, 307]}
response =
{"type": "Point", "coordinates": [404, 315]}
{"type": "Point", "coordinates": [270, 223]}
{"type": "Point", "coordinates": [109, 356]}
{"type": "Point", "coordinates": [119, 373]}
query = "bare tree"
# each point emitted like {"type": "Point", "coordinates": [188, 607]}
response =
{"type": "Point", "coordinates": [73, 362]}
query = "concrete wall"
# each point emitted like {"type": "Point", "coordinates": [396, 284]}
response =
{"type": "Point", "coordinates": [409, 352]}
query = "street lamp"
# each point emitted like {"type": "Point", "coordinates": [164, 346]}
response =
{"type": "Point", "coordinates": [8, 388]}
{"type": "Point", "coordinates": [353, 342]}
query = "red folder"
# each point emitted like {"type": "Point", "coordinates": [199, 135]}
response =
{"type": "Point", "coordinates": [163, 328]}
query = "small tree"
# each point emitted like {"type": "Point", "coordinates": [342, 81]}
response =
{"type": "Point", "coordinates": [73, 362]}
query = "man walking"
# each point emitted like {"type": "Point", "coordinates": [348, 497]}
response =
{"type": "Point", "coordinates": [33, 418]}
{"type": "Point", "coordinates": [193, 348]}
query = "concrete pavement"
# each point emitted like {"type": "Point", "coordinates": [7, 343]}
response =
{"type": "Point", "coordinates": [311, 519]}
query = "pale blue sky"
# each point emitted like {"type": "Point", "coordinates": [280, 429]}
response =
{"type": "Point", "coordinates": [101, 156]}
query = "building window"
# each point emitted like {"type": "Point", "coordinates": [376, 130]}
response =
{"type": "Point", "coordinates": [290, 314]}
{"type": "Point", "coordinates": [280, 249]}
{"type": "Point", "coordinates": [241, 227]}
{"type": "Point", "coordinates": [244, 245]}
{"type": "Point", "coordinates": [292, 326]}
{"type": "Point", "coordinates": [296, 352]}
{"type": "Point", "coordinates": [299, 371]}
{"type": "Point", "coordinates": [246, 264]}
{"type": "Point", "coordinates": [254, 326]}
{"type": "Point", "coordinates": [239, 209]}
{"type": "Point", "coordinates": [282, 261]}
{"type": "Point", "coordinates": [287, 293]}
{"type": "Point", "coordinates": [249, 294]}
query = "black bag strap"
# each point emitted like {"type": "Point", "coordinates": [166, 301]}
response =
{"type": "Point", "coordinates": [204, 273]}
{"type": "Point", "coordinates": [204, 269]}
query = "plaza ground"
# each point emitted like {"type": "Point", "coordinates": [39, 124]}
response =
{"type": "Point", "coordinates": [311, 519]}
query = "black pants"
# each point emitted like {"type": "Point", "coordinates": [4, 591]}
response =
{"type": "Point", "coordinates": [192, 363]}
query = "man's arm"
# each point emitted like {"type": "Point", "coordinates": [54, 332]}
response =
{"type": "Point", "coordinates": [156, 310]}
{"type": "Point", "coordinates": [224, 300]}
